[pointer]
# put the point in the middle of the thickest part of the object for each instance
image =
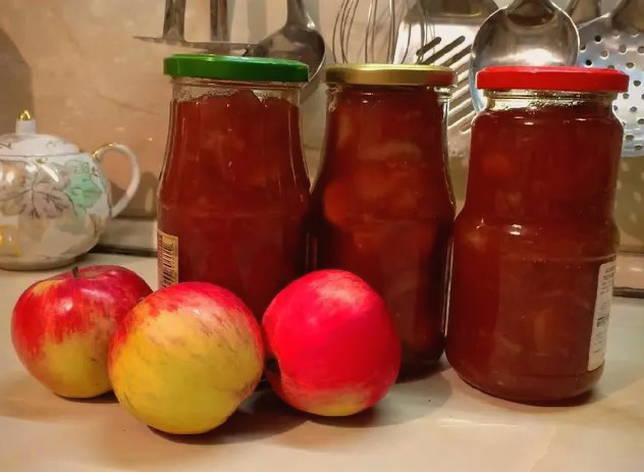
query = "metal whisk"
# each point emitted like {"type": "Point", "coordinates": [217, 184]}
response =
{"type": "Point", "coordinates": [368, 30]}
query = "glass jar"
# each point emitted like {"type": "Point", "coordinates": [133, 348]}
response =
{"type": "Point", "coordinates": [234, 191]}
{"type": "Point", "coordinates": [534, 246]}
{"type": "Point", "coordinates": [383, 207]}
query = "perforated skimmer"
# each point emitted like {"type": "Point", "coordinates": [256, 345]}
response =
{"type": "Point", "coordinates": [616, 41]}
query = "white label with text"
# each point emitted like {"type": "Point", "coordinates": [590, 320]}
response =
{"type": "Point", "coordinates": [597, 349]}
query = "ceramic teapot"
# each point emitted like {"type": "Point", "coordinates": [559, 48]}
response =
{"type": "Point", "coordinates": [54, 199]}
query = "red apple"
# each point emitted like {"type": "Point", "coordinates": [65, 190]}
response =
{"type": "Point", "coordinates": [332, 343]}
{"type": "Point", "coordinates": [185, 357]}
{"type": "Point", "coordinates": [61, 326]}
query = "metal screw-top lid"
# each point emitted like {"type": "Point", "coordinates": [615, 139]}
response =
{"type": "Point", "coordinates": [390, 74]}
{"type": "Point", "coordinates": [235, 68]}
{"type": "Point", "coordinates": [557, 78]}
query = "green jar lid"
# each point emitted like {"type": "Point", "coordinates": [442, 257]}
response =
{"type": "Point", "coordinates": [236, 68]}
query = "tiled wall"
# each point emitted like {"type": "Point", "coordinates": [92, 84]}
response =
{"type": "Point", "coordinates": [75, 64]}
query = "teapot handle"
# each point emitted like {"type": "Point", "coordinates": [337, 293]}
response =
{"type": "Point", "coordinates": [134, 180]}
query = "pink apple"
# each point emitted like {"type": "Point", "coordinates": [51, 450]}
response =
{"type": "Point", "coordinates": [185, 357]}
{"type": "Point", "coordinates": [61, 326]}
{"type": "Point", "coordinates": [332, 345]}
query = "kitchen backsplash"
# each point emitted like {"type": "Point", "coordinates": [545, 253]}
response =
{"type": "Point", "coordinates": [77, 67]}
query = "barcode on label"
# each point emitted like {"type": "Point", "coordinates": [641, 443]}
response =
{"type": "Point", "coordinates": [167, 259]}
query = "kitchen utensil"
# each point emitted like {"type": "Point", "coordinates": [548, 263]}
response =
{"type": "Point", "coordinates": [219, 20]}
{"type": "Point", "coordinates": [54, 199]}
{"type": "Point", "coordinates": [298, 39]}
{"type": "Point", "coordinates": [527, 32]}
{"type": "Point", "coordinates": [173, 29]}
{"type": "Point", "coordinates": [615, 40]}
{"type": "Point", "coordinates": [367, 30]}
{"type": "Point", "coordinates": [582, 11]}
{"type": "Point", "coordinates": [413, 33]}
{"type": "Point", "coordinates": [440, 32]}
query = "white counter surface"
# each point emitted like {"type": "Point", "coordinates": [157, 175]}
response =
{"type": "Point", "coordinates": [431, 425]}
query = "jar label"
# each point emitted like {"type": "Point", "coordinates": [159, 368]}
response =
{"type": "Point", "coordinates": [603, 300]}
{"type": "Point", "coordinates": [167, 259]}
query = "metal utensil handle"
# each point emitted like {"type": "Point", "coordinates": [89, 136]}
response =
{"type": "Point", "coordinates": [219, 20]}
{"type": "Point", "coordinates": [525, 12]}
{"type": "Point", "coordinates": [582, 11]}
{"type": "Point", "coordinates": [297, 14]}
{"type": "Point", "coordinates": [488, 4]}
{"type": "Point", "coordinates": [174, 19]}
{"type": "Point", "coordinates": [460, 8]}
{"type": "Point", "coordinates": [135, 179]}
{"type": "Point", "coordinates": [629, 14]}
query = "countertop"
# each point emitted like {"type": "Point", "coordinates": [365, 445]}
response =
{"type": "Point", "coordinates": [434, 424]}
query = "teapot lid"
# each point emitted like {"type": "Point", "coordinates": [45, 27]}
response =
{"type": "Point", "coordinates": [25, 142]}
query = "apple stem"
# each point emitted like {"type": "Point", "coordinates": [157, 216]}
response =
{"type": "Point", "coordinates": [75, 272]}
{"type": "Point", "coordinates": [272, 365]}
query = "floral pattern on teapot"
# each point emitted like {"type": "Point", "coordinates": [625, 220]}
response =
{"type": "Point", "coordinates": [53, 207]}
{"type": "Point", "coordinates": [43, 197]}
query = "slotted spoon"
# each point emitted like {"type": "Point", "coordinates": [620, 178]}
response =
{"type": "Point", "coordinates": [441, 32]}
{"type": "Point", "coordinates": [616, 41]}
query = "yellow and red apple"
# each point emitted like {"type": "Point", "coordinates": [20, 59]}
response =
{"type": "Point", "coordinates": [185, 357]}
{"type": "Point", "coordinates": [62, 326]}
{"type": "Point", "coordinates": [331, 342]}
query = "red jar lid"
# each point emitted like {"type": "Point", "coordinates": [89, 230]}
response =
{"type": "Point", "coordinates": [568, 79]}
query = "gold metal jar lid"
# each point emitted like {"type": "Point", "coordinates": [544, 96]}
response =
{"type": "Point", "coordinates": [389, 74]}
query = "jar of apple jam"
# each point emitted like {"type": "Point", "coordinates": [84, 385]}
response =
{"type": "Point", "coordinates": [534, 246]}
{"type": "Point", "coordinates": [234, 191]}
{"type": "Point", "coordinates": [383, 207]}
